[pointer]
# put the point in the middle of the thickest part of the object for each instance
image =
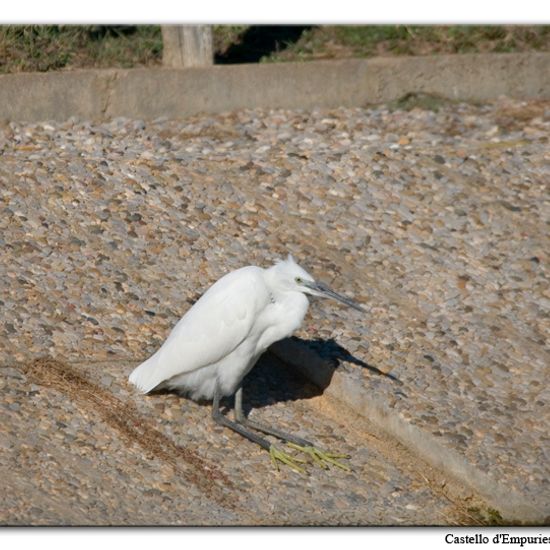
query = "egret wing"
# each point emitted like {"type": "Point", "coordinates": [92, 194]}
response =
{"type": "Point", "coordinates": [215, 326]}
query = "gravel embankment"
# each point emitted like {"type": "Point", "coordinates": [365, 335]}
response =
{"type": "Point", "coordinates": [438, 222]}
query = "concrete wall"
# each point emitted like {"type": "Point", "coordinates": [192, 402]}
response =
{"type": "Point", "coordinates": [150, 93]}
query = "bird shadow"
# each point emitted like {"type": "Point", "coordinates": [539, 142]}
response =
{"type": "Point", "coordinates": [273, 380]}
{"type": "Point", "coordinates": [333, 351]}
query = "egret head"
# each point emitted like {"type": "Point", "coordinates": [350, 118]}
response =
{"type": "Point", "coordinates": [294, 278]}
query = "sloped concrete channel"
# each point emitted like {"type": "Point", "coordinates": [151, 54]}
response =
{"type": "Point", "coordinates": [83, 449]}
{"type": "Point", "coordinates": [436, 220]}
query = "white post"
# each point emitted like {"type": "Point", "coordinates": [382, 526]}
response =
{"type": "Point", "coordinates": [187, 46]}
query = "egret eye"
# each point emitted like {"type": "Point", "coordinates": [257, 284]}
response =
{"type": "Point", "coordinates": [298, 280]}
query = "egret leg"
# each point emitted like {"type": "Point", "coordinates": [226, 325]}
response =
{"type": "Point", "coordinates": [321, 457]}
{"type": "Point", "coordinates": [241, 418]}
{"type": "Point", "coordinates": [275, 453]}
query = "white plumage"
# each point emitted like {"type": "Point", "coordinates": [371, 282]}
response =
{"type": "Point", "coordinates": [221, 337]}
{"type": "Point", "coordinates": [216, 343]}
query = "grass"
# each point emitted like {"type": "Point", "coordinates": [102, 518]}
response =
{"type": "Point", "coordinates": [419, 100]}
{"type": "Point", "coordinates": [489, 517]}
{"type": "Point", "coordinates": [329, 42]}
{"type": "Point", "coordinates": [54, 47]}
{"type": "Point", "coordinates": [125, 420]}
{"type": "Point", "coordinates": [225, 36]}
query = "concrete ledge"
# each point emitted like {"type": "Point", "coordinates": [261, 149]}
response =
{"type": "Point", "coordinates": [514, 507]}
{"type": "Point", "coordinates": [174, 93]}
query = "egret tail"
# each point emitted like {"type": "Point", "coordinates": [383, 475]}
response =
{"type": "Point", "coordinates": [144, 376]}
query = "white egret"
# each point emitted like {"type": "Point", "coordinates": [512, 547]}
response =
{"type": "Point", "coordinates": [218, 341]}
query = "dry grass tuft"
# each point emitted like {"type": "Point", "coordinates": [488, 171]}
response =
{"type": "Point", "coordinates": [130, 425]}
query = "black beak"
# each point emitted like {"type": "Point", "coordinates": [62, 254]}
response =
{"type": "Point", "coordinates": [325, 291]}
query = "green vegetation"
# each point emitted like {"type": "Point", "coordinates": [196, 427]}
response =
{"type": "Point", "coordinates": [328, 42]}
{"type": "Point", "coordinates": [488, 517]}
{"type": "Point", "coordinates": [226, 35]}
{"type": "Point", "coordinates": [419, 100]}
{"type": "Point", "coordinates": [51, 47]}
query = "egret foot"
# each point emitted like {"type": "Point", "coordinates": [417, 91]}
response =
{"type": "Point", "coordinates": [291, 461]}
{"type": "Point", "coordinates": [322, 458]}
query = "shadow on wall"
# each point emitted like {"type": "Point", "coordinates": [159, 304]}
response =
{"type": "Point", "coordinates": [259, 41]}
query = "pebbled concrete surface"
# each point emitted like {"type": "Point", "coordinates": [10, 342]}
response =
{"type": "Point", "coordinates": [79, 447]}
{"type": "Point", "coordinates": [436, 220]}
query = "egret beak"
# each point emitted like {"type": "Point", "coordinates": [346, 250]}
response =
{"type": "Point", "coordinates": [320, 289]}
